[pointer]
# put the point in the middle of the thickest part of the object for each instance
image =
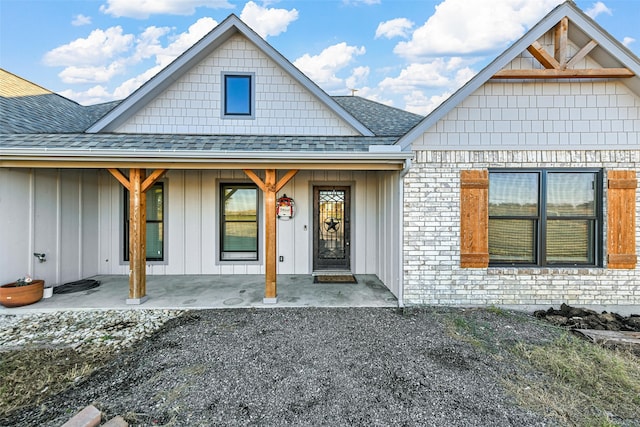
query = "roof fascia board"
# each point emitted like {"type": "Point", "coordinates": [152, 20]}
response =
{"type": "Point", "coordinates": [209, 43]}
{"type": "Point", "coordinates": [543, 26]}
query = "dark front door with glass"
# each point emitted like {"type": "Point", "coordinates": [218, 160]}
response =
{"type": "Point", "coordinates": [331, 228]}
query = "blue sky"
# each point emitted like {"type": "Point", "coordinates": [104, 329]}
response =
{"type": "Point", "coordinates": [411, 54]}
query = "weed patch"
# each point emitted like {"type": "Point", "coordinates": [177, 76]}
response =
{"type": "Point", "coordinates": [31, 375]}
{"type": "Point", "coordinates": [581, 383]}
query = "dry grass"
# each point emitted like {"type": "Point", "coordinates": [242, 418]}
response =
{"type": "Point", "coordinates": [30, 375]}
{"type": "Point", "coordinates": [579, 383]}
{"type": "Point", "coordinates": [572, 380]}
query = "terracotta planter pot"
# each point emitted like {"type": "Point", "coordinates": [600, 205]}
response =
{"type": "Point", "coordinates": [16, 296]}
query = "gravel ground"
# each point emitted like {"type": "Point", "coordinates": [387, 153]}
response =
{"type": "Point", "coordinates": [310, 367]}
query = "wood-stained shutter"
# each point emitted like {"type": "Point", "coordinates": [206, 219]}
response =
{"type": "Point", "coordinates": [621, 219]}
{"type": "Point", "coordinates": [474, 218]}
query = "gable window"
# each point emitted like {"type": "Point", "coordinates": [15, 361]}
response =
{"type": "Point", "coordinates": [238, 222]}
{"type": "Point", "coordinates": [155, 223]}
{"type": "Point", "coordinates": [238, 95]}
{"type": "Point", "coordinates": [545, 217]}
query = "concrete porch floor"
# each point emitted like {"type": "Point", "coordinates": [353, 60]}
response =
{"type": "Point", "coordinates": [218, 291]}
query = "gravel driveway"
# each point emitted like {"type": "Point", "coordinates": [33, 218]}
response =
{"type": "Point", "coordinates": [309, 367]}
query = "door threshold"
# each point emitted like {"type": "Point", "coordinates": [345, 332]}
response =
{"type": "Point", "coordinates": [331, 272]}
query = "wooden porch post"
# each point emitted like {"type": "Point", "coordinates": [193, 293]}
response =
{"type": "Point", "coordinates": [137, 185]}
{"type": "Point", "coordinates": [137, 237]}
{"type": "Point", "coordinates": [270, 188]}
{"type": "Point", "coordinates": [270, 292]}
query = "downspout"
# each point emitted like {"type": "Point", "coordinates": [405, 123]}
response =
{"type": "Point", "coordinates": [403, 172]}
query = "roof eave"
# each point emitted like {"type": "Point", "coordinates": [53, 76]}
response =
{"type": "Point", "coordinates": [66, 158]}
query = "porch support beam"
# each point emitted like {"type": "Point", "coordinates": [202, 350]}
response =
{"type": "Point", "coordinates": [270, 188]}
{"type": "Point", "coordinates": [137, 184]}
{"type": "Point", "coordinates": [137, 237]}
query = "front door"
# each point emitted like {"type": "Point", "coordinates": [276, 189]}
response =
{"type": "Point", "coordinates": [331, 228]}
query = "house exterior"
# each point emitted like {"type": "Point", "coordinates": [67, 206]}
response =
{"type": "Point", "coordinates": [523, 187]}
{"type": "Point", "coordinates": [519, 190]}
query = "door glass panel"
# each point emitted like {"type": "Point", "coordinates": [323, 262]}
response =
{"type": "Point", "coordinates": [331, 224]}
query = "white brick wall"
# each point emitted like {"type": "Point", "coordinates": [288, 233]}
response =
{"type": "Point", "coordinates": [432, 273]}
{"type": "Point", "coordinates": [193, 103]}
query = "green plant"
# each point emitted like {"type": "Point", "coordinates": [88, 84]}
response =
{"type": "Point", "coordinates": [24, 281]}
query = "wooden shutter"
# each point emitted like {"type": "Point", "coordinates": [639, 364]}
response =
{"type": "Point", "coordinates": [474, 218]}
{"type": "Point", "coordinates": [621, 219]}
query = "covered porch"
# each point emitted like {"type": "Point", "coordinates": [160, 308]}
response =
{"type": "Point", "coordinates": [193, 292]}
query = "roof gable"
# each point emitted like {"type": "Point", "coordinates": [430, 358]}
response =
{"type": "Point", "coordinates": [199, 52]}
{"type": "Point", "coordinates": [608, 53]}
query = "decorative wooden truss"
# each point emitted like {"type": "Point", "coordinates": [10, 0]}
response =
{"type": "Point", "coordinates": [557, 66]}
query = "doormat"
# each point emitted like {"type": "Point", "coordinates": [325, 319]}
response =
{"type": "Point", "coordinates": [334, 278]}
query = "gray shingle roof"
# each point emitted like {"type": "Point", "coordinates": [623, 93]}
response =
{"type": "Point", "coordinates": [155, 142]}
{"type": "Point", "coordinates": [42, 113]}
{"type": "Point", "coordinates": [381, 119]}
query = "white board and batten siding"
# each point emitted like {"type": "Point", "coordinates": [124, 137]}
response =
{"type": "Point", "coordinates": [192, 223]}
{"type": "Point", "coordinates": [52, 212]}
{"type": "Point", "coordinates": [193, 103]}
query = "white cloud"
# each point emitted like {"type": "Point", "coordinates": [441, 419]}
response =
{"type": "Point", "coordinates": [322, 68]}
{"type": "Point", "coordinates": [358, 77]}
{"type": "Point", "coordinates": [184, 41]}
{"type": "Point", "coordinates": [142, 9]}
{"type": "Point", "coordinates": [462, 27]}
{"type": "Point", "coordinates": [100, 74]}
{"type": "Point", "coordinates": [597, 9]}
{"type": "Point", "coordinates": [129, 86]}
{"type": "Point", "coordinates": [95, 49]}
{"type": "Point", "coordinates": [398, 27]}
{"type": "Point", "coordinates": [433, 74]}
{"type": "Point", "coordinates": [627, 41]}
{"type": "Point", "coordinates": [80, 20]}
{"type": "Point", "coordinates": [267, 22]}
{"type": "Point", "coordinates": [94, 95]}
{"type": "Point", "coordinates": [417, 102]}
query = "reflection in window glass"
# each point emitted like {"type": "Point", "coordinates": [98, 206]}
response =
{"type": "Point", "coordinates": [503, 247]}
{"type": "Point", "coordinates": [155, 223]}
{"type": "Point", "coordinates": [239, 222]}
{"type": "Point", "coordinates": [544, 217]}
{"type": "Point", "coordinates": [237, 95]}
{"type": "Point", "coordinates": [513, 194]}
{"type": "Point", "coordinates": [571, 194]}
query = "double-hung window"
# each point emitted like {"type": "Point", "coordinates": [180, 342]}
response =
{"type": "Point", "coordinates": [238, 95]}
{"type": "Point", "coordinates": [238, 222]}
{"type": "Point", "coordinates": [155, 223]}
{"type": "Point", "coordinates": [545, 217]}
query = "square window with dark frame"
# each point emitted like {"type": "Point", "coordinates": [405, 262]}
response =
{"type": "Point", "coordinates": [155, 223]}
{"type": "Point", "coordinates": [545, 217]}
{"type": "Point", "coordinates": [238, 222]}
{"type": "Point", "coordinates": [238, 95]}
